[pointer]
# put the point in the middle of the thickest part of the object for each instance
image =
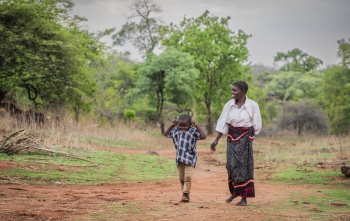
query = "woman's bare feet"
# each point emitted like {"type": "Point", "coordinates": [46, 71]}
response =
{"type": "Point", "coordinates": [228, 200]}
{"type": "Point", "coordinates": [243, 202]}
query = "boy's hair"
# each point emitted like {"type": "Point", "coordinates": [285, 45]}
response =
{"type": "Point", "coordinates": [185, 117]}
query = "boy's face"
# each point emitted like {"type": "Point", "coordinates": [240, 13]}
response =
{"type": "Point", "coordinates": [183, 125]}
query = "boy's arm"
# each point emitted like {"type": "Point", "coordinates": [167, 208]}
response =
{"type": "Point", "coordinates": [201, 132]}
{"type": "Point", "coordinates": [170, 128]}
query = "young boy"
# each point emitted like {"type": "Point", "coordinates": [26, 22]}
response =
{"type": "Point", "coordinates": [185, 134]}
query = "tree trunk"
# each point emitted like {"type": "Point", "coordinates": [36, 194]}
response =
{"type": "Point", "coordinates": [162, 129]}
{"type": "Point", "coordinates": [76, 112]}
{"type": "Point", "coordinates": [160, 100]}
{"type": "Point", "coordinates": [209, 125]}
{"type": "Point", "coordinates": [160, 118]}
{"type": "Point", "coordinates": [2, 95]}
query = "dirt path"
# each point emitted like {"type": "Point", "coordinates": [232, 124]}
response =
{"type": "Point", "coordinates": [153, 200]}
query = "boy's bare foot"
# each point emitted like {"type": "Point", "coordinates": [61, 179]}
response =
{"type": "Point", "coordinates": [185, 198]}
{"type": "Point", "coordinates": [243, 202]}
{"type": "Point", "coordinates": [228, 200]}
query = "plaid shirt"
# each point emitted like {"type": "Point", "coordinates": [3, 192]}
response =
{"type": "Point", "coordinates": [185, 145]}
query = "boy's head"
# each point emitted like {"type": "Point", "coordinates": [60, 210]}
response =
{"type": "Point", "coordinates": [184, 122]}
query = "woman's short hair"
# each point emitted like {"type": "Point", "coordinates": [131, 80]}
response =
{"type": "Point", "coordinates": [242, 85]}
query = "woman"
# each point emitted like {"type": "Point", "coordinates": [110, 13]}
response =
{"type": "Point", "coordinates": [240, 120]}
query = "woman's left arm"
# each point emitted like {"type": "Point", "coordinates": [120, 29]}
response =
{"type": "Point", "coordinates": [257, 123]}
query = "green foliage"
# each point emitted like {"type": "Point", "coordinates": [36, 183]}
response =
{"type": "Point", "coordinates": [264, 77]}
{"type": "Point", "coordinates": [262, 74]}
{"type": "Point", "coordinates": [336, 98]}
{"type": "Point", "coordinates": [273, 109]}
{"type": "Point", "coordinates": [115, 77]}
{"type": "Point", "coordinates": [218, 54]}
{"type": "Point", "coordinates": [167, 77]}
{"type": "Point", "coordinates": [297, 60]}
{"type": "Point", "coordinates": [257, 94]}
{"type": "Point", "coordinates": [292, 99]}
{"type": "Point", "coordinates": [148, 115]}
{"type": "Point", "coordinates": [129, 114]}
{"type": "Point", "coordinates": [294, 85]}
{"type": "Point", "coordinates": [344, 52]}
{"type": "Point", "coordinates": [44, 52]}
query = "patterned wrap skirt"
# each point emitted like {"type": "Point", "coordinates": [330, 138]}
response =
{"type": "Point", "coordinates": [240, 162]}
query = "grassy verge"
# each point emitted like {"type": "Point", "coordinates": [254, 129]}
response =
{"type": "Point", "coordinates": [107, 167]}
{"type": "Point", "coordinates": [325, 194]}
{"type": "Point", "coordinates": [303, 175]}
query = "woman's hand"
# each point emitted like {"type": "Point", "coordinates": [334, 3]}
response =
{"type": "Point", "coordinates": [213, 145]}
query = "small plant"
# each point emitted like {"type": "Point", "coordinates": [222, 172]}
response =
{"type": "Point", "coordinates": [129, 115]}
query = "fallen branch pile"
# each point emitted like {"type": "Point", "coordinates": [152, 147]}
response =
{"type": "Point", "coordinates": [20, 141]}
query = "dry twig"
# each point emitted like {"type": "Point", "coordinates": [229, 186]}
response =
{"type": "Point", "coordinates": [23, 142]}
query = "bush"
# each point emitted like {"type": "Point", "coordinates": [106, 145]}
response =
{"type": "Point", "coordinates": [303, 116]}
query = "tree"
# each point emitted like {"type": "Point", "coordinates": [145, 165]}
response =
{"type": "Point", "coordinates": [344, 52]}
{"type": "Point", "coordinates": [287, 86]}
{"type": "Point", "coordinates": [115, 77]}
{"type": "Point", "coordinates": [261, 73]}
{"type": "Point", "coordinates": [218, 54]}
{"type": "Point", "coordinates": [303, 116]}
{"type": "Point", "coordinates": [143, 34]}
{"type": "Point", "coordinates": [45, 53]}
{"type": "Point", "coordinates": [297, 60]}
{"type": "Point", "coordinates": [168, 77]}
{"type": "Point", "coordinates": [336, 98]}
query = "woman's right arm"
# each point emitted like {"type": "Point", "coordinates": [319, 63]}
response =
{"type": "Point", "coordinates": [215, 142]}
{"type": "Point", "coordinates": [221, 126]}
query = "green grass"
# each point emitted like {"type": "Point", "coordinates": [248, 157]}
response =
{"type": "Point", "coordinates": [122, 211]}
{"type": "Point", "coordinates": [111, 168]}
{"type": "Point", "coordinates": [338, 195]}
{"type": "Point", "coordinates": [321, 204]}
{"type": "Point", "coordinates": [302, 175]}
{"type": "Point", "coordinates": [110, 142]}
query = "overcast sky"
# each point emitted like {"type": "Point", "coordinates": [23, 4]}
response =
{"type": "Point", "coordinates": [313, 26]}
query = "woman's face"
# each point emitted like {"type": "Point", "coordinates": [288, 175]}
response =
{"type": "Point", "coordinates": [237, 93]}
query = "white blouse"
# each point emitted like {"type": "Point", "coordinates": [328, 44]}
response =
{"type": "Point", "coordinates": [246, 116]}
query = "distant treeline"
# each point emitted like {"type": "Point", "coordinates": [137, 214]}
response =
{"type": "Point", "coordinates": [51, 65]}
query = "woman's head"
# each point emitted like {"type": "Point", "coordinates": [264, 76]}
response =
{"type": "Point", "coordinates": [239, 89]}
{"type": "Point", "coordinates": [241, 85]}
